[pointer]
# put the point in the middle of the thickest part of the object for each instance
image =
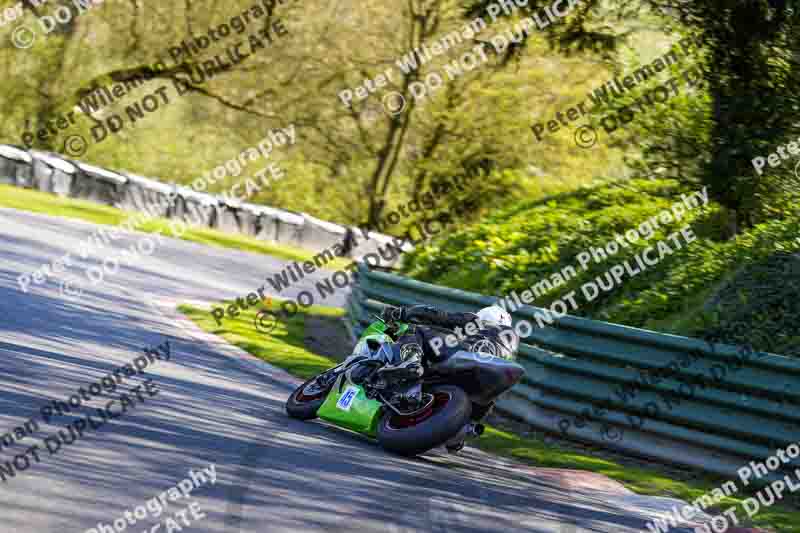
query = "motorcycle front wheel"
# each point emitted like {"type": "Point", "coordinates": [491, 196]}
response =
{"type": "Point", "coordinates": [415, 434]}
{"type": "Point", "coordinates": [306, 400]}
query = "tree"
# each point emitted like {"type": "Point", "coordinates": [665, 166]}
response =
{"type": "Point", "coordinates": [751, 75]}
{"type": "Point", "coordinates": [351, 161]}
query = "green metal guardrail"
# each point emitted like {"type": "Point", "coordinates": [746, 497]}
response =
{"type": "Point", "coordinates": [684, 401]}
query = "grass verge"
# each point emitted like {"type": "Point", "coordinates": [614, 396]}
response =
{"type": "Point", "coordinates": [285, 349]}
{"type": "Point", "coordinates": [50, 204]}
{"type": "Point", "coordinates": [780, 517]}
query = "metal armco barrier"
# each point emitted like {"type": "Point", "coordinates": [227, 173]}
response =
{"type": "Point", "coordinates": [56, 174]}
{"type": "Point", "coordinates": [675, 399]}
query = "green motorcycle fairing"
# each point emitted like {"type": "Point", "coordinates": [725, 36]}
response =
{"type": "Point", "coordinates": [347, 405]}
{"type": "Point", "coordinates": [379, 327]}
{"type": "Point", "coordinates": [350, 408]}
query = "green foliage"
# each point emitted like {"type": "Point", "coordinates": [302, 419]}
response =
{"type": "Point", "coordinates": [759, 305]}
{"type": "Point", "coordinates": [472, 126]}
{"type": "Point", "coordinates": [527, 242]}
{"type": "Point", "coordinates": [747, 104]}
{"type": "Point", "coordinates": [539, 203]}
{"type": "Point", "coordinates": [524, 244]}
{"type": "Point", "coordinates": [703, 266]}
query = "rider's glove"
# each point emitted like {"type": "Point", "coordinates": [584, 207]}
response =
{"type": "Point", "coordinates": [393, 314]}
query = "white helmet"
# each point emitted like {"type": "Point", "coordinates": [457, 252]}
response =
{"type": "Point", "coordinates": [495, 315]}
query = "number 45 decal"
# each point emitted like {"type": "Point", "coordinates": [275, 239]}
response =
{"type": "Point", "coordinates": [346, 400]}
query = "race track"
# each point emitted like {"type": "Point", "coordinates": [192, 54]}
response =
{"type": "Point", "coordinates": [215, 406]}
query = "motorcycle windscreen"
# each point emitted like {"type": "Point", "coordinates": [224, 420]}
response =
{"type": "Point", "coordinates": [351, 409]}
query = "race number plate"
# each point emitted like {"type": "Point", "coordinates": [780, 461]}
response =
{"type": "Point", "coordinates": [346, 400]}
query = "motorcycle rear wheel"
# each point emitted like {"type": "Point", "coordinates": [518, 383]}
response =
{"type": "Point", "coordinates": [306, 400]}
{"type": "Point", "coordinates": [414, 435]}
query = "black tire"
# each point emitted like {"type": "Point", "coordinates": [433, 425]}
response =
{"type": "Point", "coordinates": [438, 428]}
{"type": "Point", "coordinates": [305, 407]}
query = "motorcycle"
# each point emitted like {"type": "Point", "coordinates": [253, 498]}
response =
{"type": "Point", "coordinates": [384, 392]}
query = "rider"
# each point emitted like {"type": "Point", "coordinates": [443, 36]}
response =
{"type": "Point", "coordinates": [491, 331]}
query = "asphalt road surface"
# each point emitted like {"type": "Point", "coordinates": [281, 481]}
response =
{"type": "Point", "coordinates": [216, 407]}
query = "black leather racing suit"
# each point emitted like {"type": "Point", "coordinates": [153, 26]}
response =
{"type": "Point", "coordinates": [436, 328]}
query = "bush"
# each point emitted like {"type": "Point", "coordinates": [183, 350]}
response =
{"type": "Point", "coordinates": [532, 241]}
